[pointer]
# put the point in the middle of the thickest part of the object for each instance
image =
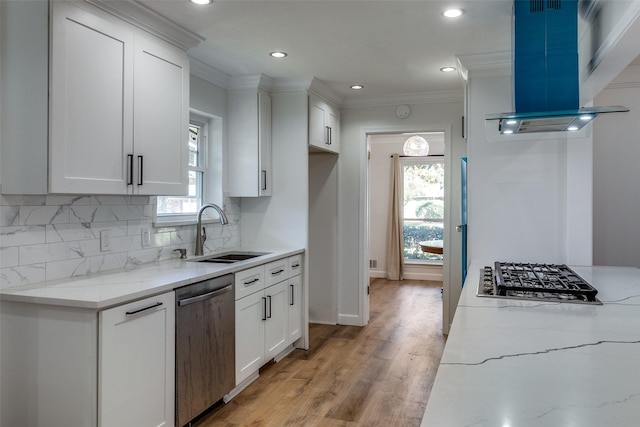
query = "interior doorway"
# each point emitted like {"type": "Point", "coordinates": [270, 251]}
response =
{"type": "Point", "coordinates": [451, 256]}
{"type": "Point", "coordinates": [422, 183]}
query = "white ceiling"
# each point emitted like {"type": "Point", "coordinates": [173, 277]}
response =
{"type": "Point", "coordinates": [393, 47]}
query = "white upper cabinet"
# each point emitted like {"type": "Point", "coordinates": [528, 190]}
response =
{"type": "Point", "coordinates": [324, 125]}
{"type": "Point", "coordinates": [119, 108]}
{"type": "Point", "coordinates": [118, 103]}
{"type": "Point", "coordinates": [249, 143]}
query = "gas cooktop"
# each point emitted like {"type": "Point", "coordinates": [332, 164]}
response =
{"type": "Point", "coordinates": [537, 282]}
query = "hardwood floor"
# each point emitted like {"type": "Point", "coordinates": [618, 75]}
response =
{"type": "Point", "coordinates": [377, 375]}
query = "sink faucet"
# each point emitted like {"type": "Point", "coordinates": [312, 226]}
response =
{"type": "Point", "coordinates": [201, 237]}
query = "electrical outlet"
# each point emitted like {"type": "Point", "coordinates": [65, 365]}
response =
{"type": "Point", "coordinates": [146, 237]}
{"type": "Point", "coordinates": [105, 240]}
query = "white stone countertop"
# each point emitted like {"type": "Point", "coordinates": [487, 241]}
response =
{"type": "Point", "coordinates": [103, 290]}
{"type": "Point", "coordinates": [512, 363]}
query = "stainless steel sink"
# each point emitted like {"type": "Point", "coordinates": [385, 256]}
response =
{"type": "Point", "coordinates": [231, 257]}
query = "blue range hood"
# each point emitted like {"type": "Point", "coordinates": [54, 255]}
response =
{"type": "Point", "coordinates": [546, 77]}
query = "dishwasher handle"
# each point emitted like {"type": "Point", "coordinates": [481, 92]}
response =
{"type": "Point", "coordinates": [202, 297]}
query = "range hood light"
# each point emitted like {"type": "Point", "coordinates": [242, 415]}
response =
{"type": "Point", "coordinates": [586, 118]}
{"type": "Point", "coordinates": [507, 131]}
{"type": "Point", "coordinates": [572, 128]}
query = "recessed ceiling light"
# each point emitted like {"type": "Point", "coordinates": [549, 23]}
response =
{"type": "Point", "coordinates": [452, 13]}
{"type": "Point", "coordinates": [278, 54]}
{"type": "Point", "coordinates": [200, 1]}
{"type": "Point", "coordinates": [447, 69]}
{"type": "Point", "coordinates": [357, 87]}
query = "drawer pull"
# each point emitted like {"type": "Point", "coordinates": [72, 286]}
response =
{"type": "Point", "coordinates": [275, 273]}
{"type": "Point", "coordinates": [296, 265]}
{"type": "Point", "coordinates": [131, 313]}
{"type": "Point", "coordinates": [250, 282]}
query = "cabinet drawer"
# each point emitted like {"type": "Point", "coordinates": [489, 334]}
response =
{"type": "Point", "coordinates": [249, 281]}
{"type": "Point", "coordinates": [295, 265]}
{"type": "Point", "coordinates": [276, 271]}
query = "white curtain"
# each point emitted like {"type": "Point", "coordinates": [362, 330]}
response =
{"type": "Point", "coordinates": [395, 240]}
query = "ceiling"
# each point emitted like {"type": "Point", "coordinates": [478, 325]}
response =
{"type": "Point", "coordinates": [392, 47]}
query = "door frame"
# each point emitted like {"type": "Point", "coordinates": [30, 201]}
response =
{"type": "Point", "coordinates": [364, 214]}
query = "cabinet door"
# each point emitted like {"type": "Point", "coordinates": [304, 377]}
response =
{"type": "Point", "coordinates": [295, 309]}
{"type": "Point", "coordinates": [333, 123]}
{"type": "Point", "coordinates": [275, 332]}
{"type": "Point", "coordinates": [250, 319]}
{"type": "Point", "coordinates": [317, 126]}
{"type": "Point", "coordinates": [161, 100]}
{"type": "Point", "coordinates": [136, 354]}
{"type": "Point", "coordinates": [324, 125]}
{"type": "Point", "coordinates": [91, 117]}
{"type": "Point", "coordinates": [264, 138]}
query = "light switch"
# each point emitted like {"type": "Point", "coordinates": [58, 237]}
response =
{"type": "Point", "coordinates": [146, 237]}
{"type": "Point", "coordinates": [105, 240]}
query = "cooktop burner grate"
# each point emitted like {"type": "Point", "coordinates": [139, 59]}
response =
{"type": "Point", "coordinates": [536, 281]}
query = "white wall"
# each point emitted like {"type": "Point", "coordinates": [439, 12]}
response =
{"type": "Point", "coordinates": [529, 198]}
{"type": "Point", "coordinates": [356, 122]}
{"type": "Point", "coordinates": [616, 154]}
{"type": "Point", "coordinates": [381, 148]}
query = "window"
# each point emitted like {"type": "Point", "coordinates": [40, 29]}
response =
{"type": "Point", "coordinates": [423, 196]}
{"type": "Point", "coordinates": [181, 207]}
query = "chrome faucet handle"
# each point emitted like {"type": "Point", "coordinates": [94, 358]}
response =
{"type": "Point", "coordinates": [183, 253]}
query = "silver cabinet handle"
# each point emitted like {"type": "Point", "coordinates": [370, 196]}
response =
{"type": "Point", "coordinates": [203, 297]}
{"type": "Point", "coordinates": [292, 298]}
{"type": "Point", "coordinates": [264, 308]}
{"type": "Point", "coordinates": [275, 273]}
{"type": "Point", "coordinates": [250, 282]}
{"type": "Point", "coordinates": [269, 315]}
{"type": "Point", "coordinates": [296, 265]}
{"type": "Point", "coordinates": [264, 179]}
{"type": "Point", "coordinates": [131, 313]}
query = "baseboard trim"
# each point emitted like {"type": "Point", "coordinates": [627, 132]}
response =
{"type": "Point", "coordinates": [349, 320]}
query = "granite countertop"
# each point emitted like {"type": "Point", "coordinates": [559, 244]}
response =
{"type": "Point", "coordinates": [103, 290]}
{"type": "Point", "coordinates": [511, 363]}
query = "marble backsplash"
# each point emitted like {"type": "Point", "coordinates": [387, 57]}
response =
{"type": "Point", "coordinates": [55, 237]}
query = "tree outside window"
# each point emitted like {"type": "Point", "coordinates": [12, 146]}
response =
{"type": "Point", "coordinates": [423, 218]}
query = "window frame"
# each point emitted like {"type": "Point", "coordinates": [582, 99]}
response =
{"type": "Point", "coordinates": [204, 142]}
{"type": "Point", "coordinates": [420, 160]}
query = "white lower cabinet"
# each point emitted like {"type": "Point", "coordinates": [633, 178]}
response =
{"type": "Point", "coordinates": [266, 322]}
{"type": "Point", "coordinates": [136, 364]}
{"type": "Point", "coordinates": [75, 367]}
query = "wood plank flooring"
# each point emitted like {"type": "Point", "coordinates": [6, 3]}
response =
{"type": "Point", "coordinates": [377, 375]}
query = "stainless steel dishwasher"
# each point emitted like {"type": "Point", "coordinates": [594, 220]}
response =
{"type": "Point", "coordinates": [205, 346]}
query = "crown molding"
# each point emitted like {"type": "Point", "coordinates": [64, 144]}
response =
{"type": "Point", "coordinates": [434, 97]}
{"type": "Point", "coordinates": [323, 90]}
{"type": "Point", "coordinates": [208, 73]}
{"type": "Point", "coordinates": [494, 63]}
{"type": "Point", "coordinates": [150, 21]}
{"type": "Point", "coordinates": [259, 81]}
